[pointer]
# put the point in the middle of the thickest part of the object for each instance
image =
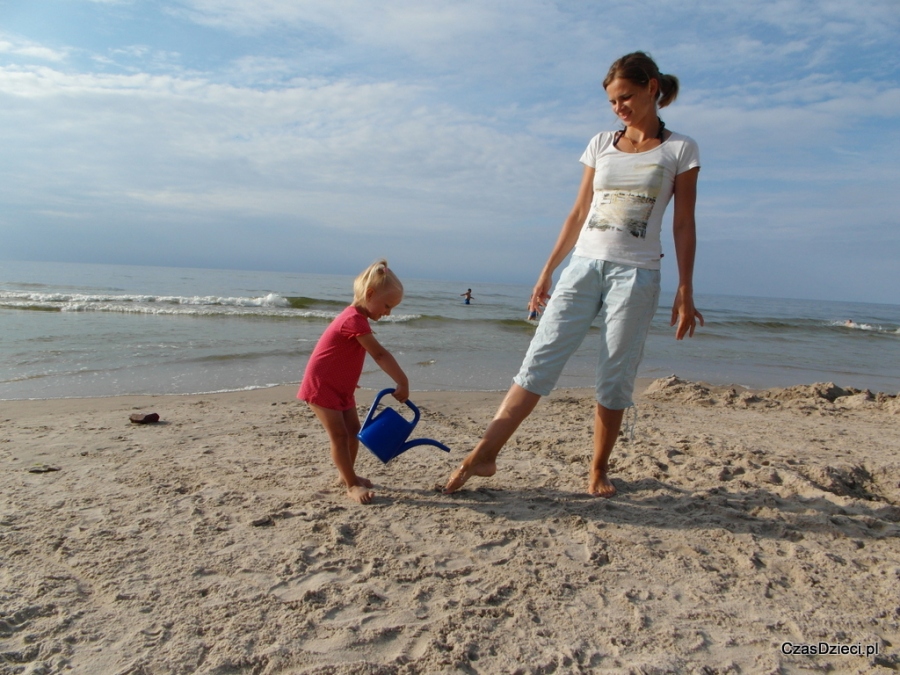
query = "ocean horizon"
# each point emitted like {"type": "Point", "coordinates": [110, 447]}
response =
{"type": "Point", "coordinates": [84, 330]}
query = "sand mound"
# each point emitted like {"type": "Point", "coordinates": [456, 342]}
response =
{"type": "Point", "coordinates": [821, 396]}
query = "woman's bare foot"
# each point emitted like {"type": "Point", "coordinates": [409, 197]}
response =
{"type": "Point", "coordinates": [482, 461]}
{"type": "Point", "coordinates": [360, 494]}
{"type": "Point", "coordinates": [601, 486]}
{"type": "Point", "coordinates": [465, 471]}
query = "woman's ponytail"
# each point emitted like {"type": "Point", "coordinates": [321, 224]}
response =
{"type": "Point", "coordinates": [668, 90]}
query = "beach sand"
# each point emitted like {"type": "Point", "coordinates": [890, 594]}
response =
{"type": "Point", "coordinates": [218, 541]}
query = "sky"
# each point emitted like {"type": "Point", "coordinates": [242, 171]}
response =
{"type": "Point", "coordinates": [319, 135]}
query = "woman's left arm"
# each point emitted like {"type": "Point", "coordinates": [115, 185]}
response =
{"type": "Point", "coordinates": [685, 230]}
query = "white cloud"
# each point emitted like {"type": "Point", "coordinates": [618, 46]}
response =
{"type": "Point", "coordinates": [31, 52]}
{"type": "Point", "coordinates": [191, 144]}
{"type": "Point", "coordinates": [376, 22]}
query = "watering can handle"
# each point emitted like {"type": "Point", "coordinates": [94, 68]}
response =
{"type": "Point", "coordinates": [385, 392]}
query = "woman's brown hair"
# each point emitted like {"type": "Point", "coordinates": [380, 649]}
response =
{"type": "Point", "coordinates": [639, 68]}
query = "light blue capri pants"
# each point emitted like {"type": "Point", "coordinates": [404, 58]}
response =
{"type": "Point", "coordinates": [624, 297]}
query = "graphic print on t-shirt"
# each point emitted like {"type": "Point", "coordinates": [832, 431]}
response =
{"type": "Point", "coordinates": [628, 209]}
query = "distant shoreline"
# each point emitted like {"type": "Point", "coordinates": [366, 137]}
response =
{"type": "Point", "coordinates": [364, 396]}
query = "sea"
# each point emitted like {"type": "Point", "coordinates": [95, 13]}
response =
{"type": "Point", "coordinates": [83, 330]}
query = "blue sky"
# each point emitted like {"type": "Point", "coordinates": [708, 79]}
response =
{"type": "Point", "coordinates": [316, 135]}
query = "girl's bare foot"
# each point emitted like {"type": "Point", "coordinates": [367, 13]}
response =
{"type": "Point", "coordinates": [365, 482]}
{"type": "Point", "coordinates": [601, 486]}
{"type": "Point", "coordinates": [360, 494]}
{"type": "Point", "coordinates": [465, 471]}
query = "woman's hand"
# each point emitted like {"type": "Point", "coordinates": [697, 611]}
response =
{"type": "Point", "coordinates": [565, 242]}
{"type": "Point", "coordinates": [685, 314]}
{"type": "Point", "coordinates": [541, 293]}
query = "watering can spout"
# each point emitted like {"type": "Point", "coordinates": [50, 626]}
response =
{"type": "Point", "coordinates": [424, 441]}
{"type": "Point", "coordinates": [385, 434]}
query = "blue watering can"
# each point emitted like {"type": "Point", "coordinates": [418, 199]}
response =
{"type": "Point", "coordinates": [385, 434]}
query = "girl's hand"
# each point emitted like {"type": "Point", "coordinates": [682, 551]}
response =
{"type": "Point", "coordinates": [388, 364]}
{"type": "Point", "coordinates": [401, 393]}
{"type": "Point", "coordinates": [685, 314]}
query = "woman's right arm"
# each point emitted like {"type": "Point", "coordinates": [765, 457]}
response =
{"type": "Point", "coordinates": [568, 235]}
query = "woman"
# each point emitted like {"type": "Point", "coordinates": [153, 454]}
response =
{"type": "Point", "coordinates": [629, 177]}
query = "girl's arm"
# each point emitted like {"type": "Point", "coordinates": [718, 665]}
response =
{"type": "Point", "coordinates": [388, 364]}
{"type": "Point", "coordinates": [684, 228]}
{"type": "Point", "coordinates": [568, 235]}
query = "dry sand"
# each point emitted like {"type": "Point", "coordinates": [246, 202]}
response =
{"type": "Point", "coordinates": [218, 542]}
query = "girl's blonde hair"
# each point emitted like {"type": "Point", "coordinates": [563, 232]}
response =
{"type": "Point", "coordinates": [375, 276]}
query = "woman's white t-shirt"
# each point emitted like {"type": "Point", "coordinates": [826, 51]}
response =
{"type": "Point", "coordinates": [631, 192]}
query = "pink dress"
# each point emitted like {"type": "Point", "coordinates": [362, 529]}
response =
{"type": "Point", "coordinates": [336, 363]}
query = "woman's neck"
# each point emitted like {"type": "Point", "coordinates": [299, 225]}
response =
{"type": "Point", "coordinates": [646, 138]}
{"type": "Point", "coordinates": [640, 131]}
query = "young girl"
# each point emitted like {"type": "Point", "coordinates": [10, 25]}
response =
{"type": "Point", "coordinates": [336, 363]}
